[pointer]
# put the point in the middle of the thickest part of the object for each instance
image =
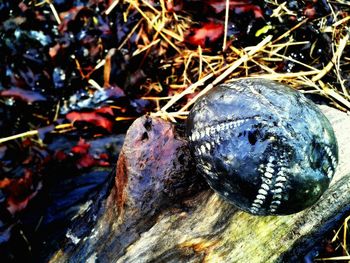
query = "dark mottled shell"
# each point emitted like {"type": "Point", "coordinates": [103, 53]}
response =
{"type": "Point", "coordinates": [263, 146]}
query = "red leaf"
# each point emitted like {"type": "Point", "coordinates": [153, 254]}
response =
{"type": "Point", "coordinates": [95, 118]}
{"type": "Point", "coordinates": [60, 155]}
{"type": "Point", "coordinates": [105, 110]}
{"type": "Point", "coordinates": [24, 95]}
{"type": "Point", "coordinates": [103, 160]}
{"type": "Point", "coordinates": [86, 161]}
{"type": "Point", "coordinates": [220, 5]}
{"type": "Point", "coordinates": [54, 50]}
{"type": "Point", "coordinates": [174, 5]}
{"type": "Point", "coordinates": [256, 9]}
{"type": "Point", "coordinates": [208, 33]}
{"type": "Point", "coordinates": [14, 206]}
{"type": "Point", "coordinates": [20, 191]}
{"type": "Point", "coordinates": [242, 6]}
{"type": "Point", "coordinates": [103, 163]}
{"type": "Point", "coordinates": [103, 156]}
{"type": "Point", "coordinates": [309, 11]}
{"type": "Point", "coordinates": [4, 182]}
{"type": "Point", "coordinates": [81, 148]}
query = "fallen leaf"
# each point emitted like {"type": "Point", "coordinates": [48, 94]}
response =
{"type": "Point", "coordinates": [207, 34]}
{"type": "Point", "coordinates": [86, 161]}
{"type": "Point", "coordinates": [237, 6]}
{"type": "Point", "coordinates": [20, 191]}
{"type": "Point", "coordinates": [309, 11]}
{"type": "Point", "coordinates": [81, 148]}
{"type": "Point", "coordinates": [100, 117]}
{"type": "Point", "coordinates": [24, 95]}
{"type": "Point", "coordinates": [246, 8]}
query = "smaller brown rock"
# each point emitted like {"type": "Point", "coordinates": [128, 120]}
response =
{"type": "Point", "coordinates": [153, 169]}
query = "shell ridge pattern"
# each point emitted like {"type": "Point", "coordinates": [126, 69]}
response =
{"type": "Point", "coordinates": [226, 125]}
{"type": "Point", "coordinates": [262, 146]}
{"type": "Point", "coordinates": [273, 107]}
{"type": "Point", "coordinates": [280, 184]}
{"type": "Point", "coordinates": [261, 196]}
{"type": "Point", "coordinates": [274, 179]}
{"type": "Point", "coordinates": [333, 161]}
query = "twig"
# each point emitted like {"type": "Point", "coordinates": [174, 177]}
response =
{"type": "Point", "coordinates": [130, 34]}
{"type": "Point", "coordinates": [54, 12]}
{"type": "Point", "coordinates": [138, 51]}
{"type": "Point", "coordinates": [228, 71]}
{"type": "Point", "coordinates": [111, 7]}
{"type": "Point", "coordinates": [341, 21]}
{"type": "Point", "coordinates": [285, 34]}
{"type": "Point", "coordinates": [95, 84]}
{"type": "Point", "coordinates": [293, 60]}
{"type": "Point", "coordinates": [157, 28]}
{"type": "Point", "coordinates": [21, 135]}
{"type": "Point", "coordinates": [188, 90]}
{"type": "Point", "coordinates": [330, 92]}
{"type": "Point", "coordinates": [328, 67]}
{"type": "Point", "coordinates": [200, 66]}
{"type": "Point", "coordinates": [226, 24]}
{"type": "Point", "coordinates": [31, 133]}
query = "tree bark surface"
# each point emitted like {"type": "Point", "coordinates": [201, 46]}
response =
{"type": "Point", "coordinates": [161, 211]}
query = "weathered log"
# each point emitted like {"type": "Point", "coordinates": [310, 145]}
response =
{"type": "Point", "coordinates": [181, 223]}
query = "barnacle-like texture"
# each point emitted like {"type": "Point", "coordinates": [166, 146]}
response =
{"type": "Point", "coordinates": [263, 146]}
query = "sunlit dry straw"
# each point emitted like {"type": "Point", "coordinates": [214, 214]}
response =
{"type": "Point", "coordinates": [341, 21]}
{"type": "Point", "coordinates": [187, 91]}
{"type": "Point", "coordinates": [343, 244]}
{"type": "Point", "coordinates": [138, 51]}
{"type": "Point", "coordinates": [53, 9]}
{"type": "Point", "coordinates": [121, 118]}
{"type": "Point", "coordinates": [95, 84]}
{"type": "Point", "coordinates": [33, 133]}
{"type": "Point", "coordinates": [54, 12]}
{"type": "Point", "coordinates": [328, 67]}
{"type": "Point", "coordinates": [293, 60]}
{"type": "Point", "coordinates": [287, 33]}
{"type": "Point", "coordinates": [227, 9]}
{"type": "Point", "coordinates": [330, 92]}
{"type": "Point", "coordinates": [341, 47]}
{"type": "Point", "coordinates": [157, 25]}
{"type": "Point", "coordinates": [200, 66]}
{"type": "Point", "coordinates": [111, 7]}
{"type": "Point", "coordinates": [132, 31]}
{"type": "Point", "coordinates": [228, 71]}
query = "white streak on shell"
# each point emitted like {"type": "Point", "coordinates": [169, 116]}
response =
{"type": "Point", "coordinates": [199, 132]}
{"type": "Point", "coordinates": [267, 173]}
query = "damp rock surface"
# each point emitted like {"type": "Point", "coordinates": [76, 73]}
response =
{"type": "Point", "coordinates": [263, 146]}
{"type": "Point", "coordinates": [203, 226]}
{"type": "Point", "coordinates": [154, 173]}
{"type": "Point", "coordinates": [153, 167]}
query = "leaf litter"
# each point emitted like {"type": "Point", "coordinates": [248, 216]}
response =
{"type": "Point", "coordinates": [76, 72]}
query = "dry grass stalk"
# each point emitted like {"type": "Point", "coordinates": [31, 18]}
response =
{"type": "Point", "coordinates": [59, 128]}
{"type": "Point", "coordinates": [197, 63]}
{"type": "Point", "coordinates": [192, 69]}
{"type": "Point", "coordinates": [227, 9]}
{"type": "Point", "coordinates": [343, 242]}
